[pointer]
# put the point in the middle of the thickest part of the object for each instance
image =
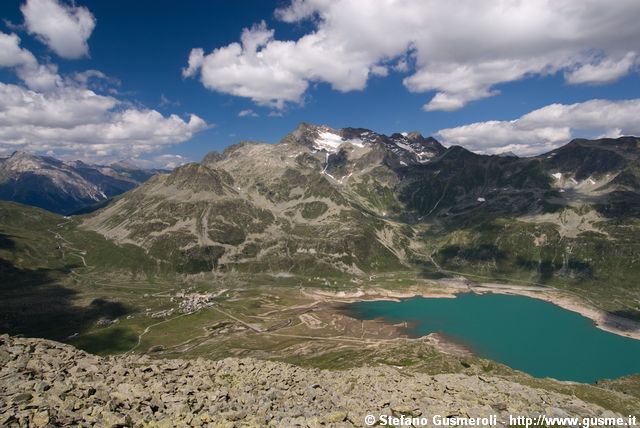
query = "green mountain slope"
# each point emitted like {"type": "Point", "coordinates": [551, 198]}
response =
{"type": "Point", "coordinates": [256, 208]}
{"type": "Point", "coordinates": [43, 256]}
{"type": "Point", "coordinates": [348, 203]}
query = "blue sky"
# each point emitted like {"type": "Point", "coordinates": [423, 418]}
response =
{"type": "Point", "coordinates": [489, 72]}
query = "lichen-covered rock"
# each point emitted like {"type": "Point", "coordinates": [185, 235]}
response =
{"type": "Point", "coordinates": [44, 383]}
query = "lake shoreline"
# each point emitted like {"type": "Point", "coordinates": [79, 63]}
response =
{"type": "Point", "coordinates": [450, 288]}
{"type": "Point", "coordinates": [603, 320]}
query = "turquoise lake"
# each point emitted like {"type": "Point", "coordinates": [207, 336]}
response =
{"type": "Point", "coordinates": [526, 334]}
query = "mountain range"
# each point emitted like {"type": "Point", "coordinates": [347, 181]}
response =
{"type": "Point", "coordinates": [65, 187]}
{"type": "Point", "coordinates": [348, 202]}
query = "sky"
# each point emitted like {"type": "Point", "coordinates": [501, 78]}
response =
{"type": "Point", "coordinates": [162, 83]}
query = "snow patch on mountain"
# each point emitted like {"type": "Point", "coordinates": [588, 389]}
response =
{"type": "Point", "coordinates": [331, 142]}
{"type": "Point", "coordinates": [328, 141]}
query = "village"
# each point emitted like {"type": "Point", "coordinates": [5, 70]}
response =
{"type": "Point", "coordinates": [190, 302]}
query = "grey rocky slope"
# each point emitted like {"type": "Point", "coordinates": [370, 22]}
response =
{"type": "Point", "coordinates": [44, 383]}
{"type": "Point", "coordinates": [64, 187]}
{"type": "Point", "coordinates": [318, 203]}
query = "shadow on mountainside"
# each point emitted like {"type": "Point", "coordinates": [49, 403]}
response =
{"type": "Point", "coordinates": [33, 302]}
{"type": "Point", "coordinates": [612, 318]}
{"type": "Point", "coordinates": [6, 243]}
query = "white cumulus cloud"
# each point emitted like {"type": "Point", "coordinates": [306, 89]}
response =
{"type": "Point", "coordinates": [12, 55]}
{"type": "Point", "coordinates": [34, 75]}
{"type": "Point", "coordinates": [457, 50]}
{"type": "Point", "coordinates": [548, 127]}
{"type": "Point", "coordinates": [604, 71]}
{"type": "Point", "coordinates": [61, 116]}
{"type": "Point", "coordinates": [64, 28]}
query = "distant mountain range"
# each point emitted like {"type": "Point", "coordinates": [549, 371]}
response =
{"type": "Point", "coordinates": [65, 187]}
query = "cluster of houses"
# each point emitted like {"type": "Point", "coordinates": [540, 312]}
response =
{"type": "Point", "coordinates": [193, 302]}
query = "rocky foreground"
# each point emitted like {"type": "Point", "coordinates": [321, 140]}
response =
{"type": "Point", "coordinates": [45, 383]}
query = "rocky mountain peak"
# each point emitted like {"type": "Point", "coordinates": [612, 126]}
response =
{"type": "Point", "coordinates": [199, 178]}
{"type": "Point", "coordinates": [307, 134]}
{"type": "Point", "coordinates": [414, 135]}
{"type": "Point", "coordinates": [412, 147]}
{"type": "Point", "coordinates": [20, 154]}
{"type": "Point", "coordinates": [23, 161]}
{"type": "Point", "coordinates": [360, 146]}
